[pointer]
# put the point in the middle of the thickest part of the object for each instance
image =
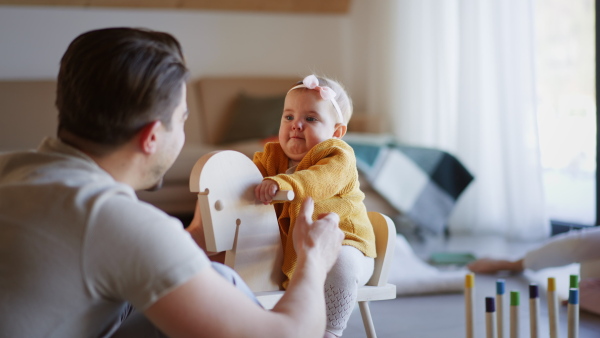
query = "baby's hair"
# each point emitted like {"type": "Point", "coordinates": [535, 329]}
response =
{"type": "Point", "coordinates": [342, 97]}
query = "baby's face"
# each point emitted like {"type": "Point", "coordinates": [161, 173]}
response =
{"type": "Point", "coordinates": [307, 120]}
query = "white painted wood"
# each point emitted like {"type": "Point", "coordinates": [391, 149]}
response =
{"type": "Point", "coordinates": [284, 195]}
{"type": "Point", "coordinates": [372, 293]}
{"type": "Point", "coordinates": [385, 234]}
{"type": "Point", "coordinates": [365, 294]}
{"type": "Point", "coordinates": [365, 313]}
{"type": "Point", "coordinates": [235, 222]}
{"type": "Point", "coordinates": [268, 299]}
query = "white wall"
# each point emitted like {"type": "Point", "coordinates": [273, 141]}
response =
{"type": "Point", "coordinates": [32, 40]}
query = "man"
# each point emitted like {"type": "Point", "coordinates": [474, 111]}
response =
{"type": "Point", "coordinates": [76, 246]}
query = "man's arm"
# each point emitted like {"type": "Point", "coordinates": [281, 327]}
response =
{"type": "Point", "coordinates": [488, 265]}
{"type": "Point", "coordinates": [208, 306]}
{"type": "Point", "coordinates": [571, 247]}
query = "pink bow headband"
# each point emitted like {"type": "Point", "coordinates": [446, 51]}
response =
{"type": "Point", "coordinates": [311, 82]}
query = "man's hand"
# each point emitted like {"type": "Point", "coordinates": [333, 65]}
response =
{"type": "Point", "coordinates": [265, 191]}
{"type": "Point", "coordinates": [319, 240]}
{"type": "Point", "coordinates": [488, 265]}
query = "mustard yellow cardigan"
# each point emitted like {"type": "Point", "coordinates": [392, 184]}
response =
{"type": "Point", "coordinates": [328, 174]}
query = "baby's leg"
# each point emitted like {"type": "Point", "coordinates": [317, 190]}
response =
{"type": "Point", "coordinates": [351, 270]}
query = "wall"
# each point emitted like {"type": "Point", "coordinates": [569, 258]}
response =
{"type": "Point", "coordinates": [32, 40]}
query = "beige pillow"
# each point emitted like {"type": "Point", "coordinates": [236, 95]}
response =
{"type": "Point", "coordinates": [254, 118]}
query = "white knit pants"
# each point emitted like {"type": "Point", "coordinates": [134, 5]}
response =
{"type": "Point", "coordinates": [351, 270]}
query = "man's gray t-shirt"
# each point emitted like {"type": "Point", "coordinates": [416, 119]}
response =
{"type": "Point", "coordinates": [75, 246]}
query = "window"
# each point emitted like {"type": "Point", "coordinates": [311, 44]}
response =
{"type": "Point", "coordinates": [566, 85]}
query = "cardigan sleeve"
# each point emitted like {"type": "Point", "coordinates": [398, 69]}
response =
{"type": "Point", "coordinates": [326, 171]}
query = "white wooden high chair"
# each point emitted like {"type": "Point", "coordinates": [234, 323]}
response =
{"type": "Point", "coordinates": [235, 222]}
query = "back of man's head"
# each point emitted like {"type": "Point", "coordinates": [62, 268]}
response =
{"type": "Point", "coordinates": [114, 81]}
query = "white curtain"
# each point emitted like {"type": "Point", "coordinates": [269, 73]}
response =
{"type": "Point", "coordinates": [459, 75]}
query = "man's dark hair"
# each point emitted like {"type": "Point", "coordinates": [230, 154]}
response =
{"type": "Point", "coordinates": [114, 81]}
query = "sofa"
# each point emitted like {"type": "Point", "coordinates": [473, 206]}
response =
{"type": "Point", "coordinates": [415, 186]}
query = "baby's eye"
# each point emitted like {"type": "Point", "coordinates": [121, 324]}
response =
{"type": "Point", "coordinates": [311, 119]}
{"type": "Point", "coordinates": [288, 117]}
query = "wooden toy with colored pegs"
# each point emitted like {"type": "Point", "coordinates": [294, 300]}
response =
{"type": "Point", "coordinates": [552, 299]}
{"type": "Point", "coordinates": [573, 282]}
{"type": "Point", "coordinates": [573, 314]}
{"type": "Point", "coordinates": [573, 308]}
{"type": "Point", "coordinates": [514, 314]}
{"type": "Point", "coordinates": [534, 305]}
{"type": "Point", "coordinates": [490, 318]}
{"type": "Point", "coordinates": [500, 290]}
{"type": "Point", "coordinates": [470, 304]}
{"type": "Point", "coordinates": [494, 309]}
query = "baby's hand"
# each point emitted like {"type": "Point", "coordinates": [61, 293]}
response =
{"type": "Point", "coordinates": [265, 191]}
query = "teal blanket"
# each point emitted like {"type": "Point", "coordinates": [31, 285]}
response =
{"type": "Point", "coordinates": [422, 183]}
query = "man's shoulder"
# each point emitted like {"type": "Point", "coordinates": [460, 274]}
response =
{"type": "Point", "coordinates": [46, 165]}
{"type": "Point", "coordinates": [51, 151]}
{"type": "Point", "coordinates": [51, 177]}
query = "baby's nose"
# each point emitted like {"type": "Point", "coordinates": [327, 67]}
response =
{"type": "Point", "coordinates": [297, 124]}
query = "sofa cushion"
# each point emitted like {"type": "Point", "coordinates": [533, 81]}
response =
{"type": "Point", "coordinates": [217, 99]}
{"type": "Point", "coordinates": [254, 118]}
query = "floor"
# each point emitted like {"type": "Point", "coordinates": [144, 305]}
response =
{"type": "Point", "coordinates": [443, 315]}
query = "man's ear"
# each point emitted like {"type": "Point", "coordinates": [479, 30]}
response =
{"type": "Point", "coordinates": [148, 137]}
{"type": "Point", "coordinates": [340, 130]}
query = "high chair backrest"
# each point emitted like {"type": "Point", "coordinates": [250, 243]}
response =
{"type": "Point", "coordinates": [385, 234]}
{"type": "Point", "coordinates": [235, 222]}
